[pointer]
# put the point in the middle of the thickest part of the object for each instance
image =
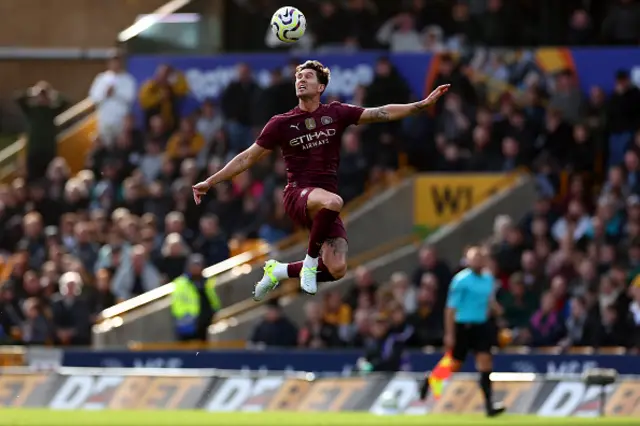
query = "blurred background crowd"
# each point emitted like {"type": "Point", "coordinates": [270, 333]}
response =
{"type": "Point", "coordinates": [126, 224]}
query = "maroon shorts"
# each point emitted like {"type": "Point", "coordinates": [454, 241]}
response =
{"type": "Point", "coordinates": [295, 204]}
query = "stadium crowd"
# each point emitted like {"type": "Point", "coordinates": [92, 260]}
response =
{"type": "Point", "coordinates": [73, 245]}
{"type": "Point", "coordinates": [439, 25]}
{"type": "Point", "coordinates": [567, 274]}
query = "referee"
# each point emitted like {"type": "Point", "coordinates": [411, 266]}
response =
{"type": "Point", "coordinates": [467, 327]}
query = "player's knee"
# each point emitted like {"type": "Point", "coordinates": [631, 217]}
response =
{"type": "Point", "coordinates": [338, 270]}
{"type": "Point", "coordinates": [333, 202]}
{"type": "Point", "coordinates": [336, 266]}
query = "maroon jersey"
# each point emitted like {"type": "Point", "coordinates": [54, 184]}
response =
{"type": "Point", "coordinates": [311, 142]}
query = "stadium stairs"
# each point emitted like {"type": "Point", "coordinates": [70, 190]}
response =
{"type": "Point", "coordinates": [397, 254]}
{"type": "Point", "coordinates": [392, 247]}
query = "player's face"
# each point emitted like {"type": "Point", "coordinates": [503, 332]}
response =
{"type": "Point", "coordinates": [476, 260]}
{"type": "Point", "coordinates": [307, 84]}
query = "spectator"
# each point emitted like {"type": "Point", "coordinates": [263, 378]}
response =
{"type": "Point", "coordinates": [71, 313]}
{"type": "Point", "coordinates": [353, 167]}
{"type": "Point", "coordinates": [135, 275]}
{"type": "Point", "coordinates": [276, 329]}
{"type": "Point", "coordinates": [430, 263]}
{"type": "Point", "coordinates": [186, 143]}
{"type": "Point", "coordinates": [41, 104]}
{"type": "Point", "coordinates": [580, 29]}
{"type": "Point", "coordinates": [623, 112]}
{"type": "Point", "coordinates": [400, 34]}
{"type": "Point", "coordinates": [161, 95]}
{"type": "Point", "coordinates": [35, 330]}
{"type": "Point", "coordinates": [612, 331]}
{"type": "Point", "coordinates": [583, 152]}
{"type": "Point", "coordinates": [210, 241]}
{"type": "Point", "coordinates": [427, 319]}
{"type": "Point", "coordinates": [174, 256]}
{"type": "Point", "coordinates": [113, 91]}
{"type": "Point", "coordinates": [575, 223]}
{"type": "Point", "coordinates": [330, 30]}
{"type": "Point", "coordinates": [545, 326]}
{"type": "Point", "coordinates": [237, 104]}
{"type": "Point", "coordinates": [377, 358]}
{"type": "Point", "coordinates": [403, 292]}
{"type": "Point", "coordinates": [519, 303]}
{"type": "Point", "coordinates": [567, 98]}
{"type": "Point", "coordinates": [317, 332]}
{"type": "Point", "coordinates": [577, 326]}
{"type": "Point", "coordinates": [194, 301]}
{"type": "Point", "coordinates": [364, 286]}
{"type": "Point", "coordinates": [102, 297]}
{"type": "Point", "coordinates": [620, 25]}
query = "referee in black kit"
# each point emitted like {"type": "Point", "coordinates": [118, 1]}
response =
{"type": "Point", "coordinates": [468, 328]}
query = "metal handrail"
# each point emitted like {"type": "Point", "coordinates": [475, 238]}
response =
{"type": "Point", "coordinates": [240, 264]}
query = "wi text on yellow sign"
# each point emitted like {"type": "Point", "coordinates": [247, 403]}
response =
{"type": "Point", "coordinates": [440, 199]}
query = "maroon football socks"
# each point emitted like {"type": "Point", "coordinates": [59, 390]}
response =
{"type": "Point", "coordinates": [320, 231]}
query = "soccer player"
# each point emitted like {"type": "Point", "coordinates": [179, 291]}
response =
{"type": "Point", "coordinates": [309, 137]}
{"type": "Point", "coordinates": [467, 328]}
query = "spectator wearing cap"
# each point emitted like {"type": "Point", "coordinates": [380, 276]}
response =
{"type": "Point", "coordinates": [276, 329]}
{"type": "Point", "coordinates": [194, 301]}
{"type": "Point", "coordinates": [113, 91]}
{"type": "Point", "coordinates": [136, 275]}
{"type": "Point", "coordinates": [71, 312]}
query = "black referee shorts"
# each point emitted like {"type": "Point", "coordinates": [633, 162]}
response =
{"type": "Point", "coordinates": [477, 338]}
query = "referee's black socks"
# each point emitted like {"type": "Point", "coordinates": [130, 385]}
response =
{"type": "Point", "coordinates": [485, 385]}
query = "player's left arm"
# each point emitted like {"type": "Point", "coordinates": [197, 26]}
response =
{"type": "Point", "coordinates": [393, 112]}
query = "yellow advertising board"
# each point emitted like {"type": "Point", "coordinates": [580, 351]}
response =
{"type": "Point", "coordinates": [440, 199]}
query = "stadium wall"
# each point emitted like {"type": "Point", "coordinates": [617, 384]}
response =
{"type": "Point", "coordinates": [235, 391]}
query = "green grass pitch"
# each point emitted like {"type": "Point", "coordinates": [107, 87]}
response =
{"type": "Point", "coordinates": [29, 417]}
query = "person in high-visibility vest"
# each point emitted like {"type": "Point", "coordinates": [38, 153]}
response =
{"type": "Point", "coordinates": [194, 301]}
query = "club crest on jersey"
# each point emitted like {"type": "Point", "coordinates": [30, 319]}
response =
{"type": "Point", "coordinates": [326, 120]}
{"type": "Point", "coordinates": [310, 123]}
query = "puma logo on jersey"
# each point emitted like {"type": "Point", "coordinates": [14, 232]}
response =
{"type": "Point", "coordinates": [295, 126]}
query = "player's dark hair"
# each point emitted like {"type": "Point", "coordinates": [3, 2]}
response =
{"type": "Point", "coordinates": [322, 72]}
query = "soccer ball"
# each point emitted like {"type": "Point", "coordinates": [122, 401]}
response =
{"type": "Point", "coordinates": [288, 24]}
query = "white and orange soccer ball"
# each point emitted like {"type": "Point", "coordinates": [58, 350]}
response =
{"type": "Point", "coordinates": [288, 24]}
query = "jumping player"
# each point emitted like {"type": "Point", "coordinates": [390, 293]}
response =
{"type": "Point", "coordinates": [467, 328]}
{"type": "Point", "coordinates": [310, 139]}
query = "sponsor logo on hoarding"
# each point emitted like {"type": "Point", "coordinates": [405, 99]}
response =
{"type": "Point", "coordinates": [86, 392]}
{"type": "Point", "coordinates": [406, 394]}
{"type": "Point", "coordinates": [243, 394]}
{"type": "Point", "coordinates": [571, 399]}
{"type": "Point", "coordinates": [334, 395]}
{"type": "Point", "coordinates": [19, 390]}
{"type": "Point", "coordinates": [625, 400]}
{"type": "Point", "coordinates": [154, 393]}
{"type": "Point", "coordinates": [134, 392]}
{"type": "Point", "coordinates": [290, 395]}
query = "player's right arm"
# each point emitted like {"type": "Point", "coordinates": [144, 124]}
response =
{"type": "Point", "coordinates": [237, 165]}
{"type": "Point", "coordinates": [453, 302]}
{"type": "Point", "coordinates": [266, 142]}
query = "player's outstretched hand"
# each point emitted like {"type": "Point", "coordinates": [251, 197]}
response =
{"type": "Point", "coordinates": [437, 94]}
{"type": "Point", "coordinates": [200, 189]}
